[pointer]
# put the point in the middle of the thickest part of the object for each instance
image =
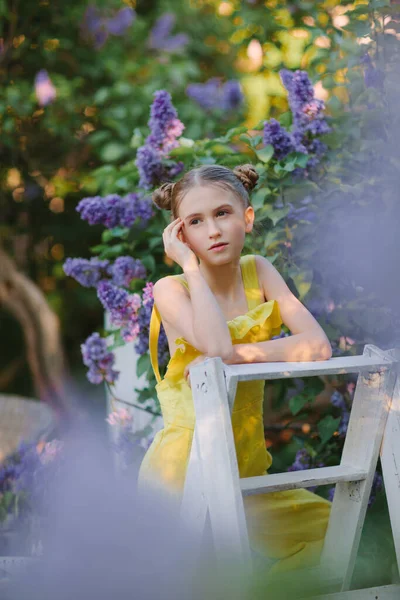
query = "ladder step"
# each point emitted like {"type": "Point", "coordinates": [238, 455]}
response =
{"type": "Point", "coordinates": [283, 370]}
{"type": "Point", "coordinates": [300, 479]}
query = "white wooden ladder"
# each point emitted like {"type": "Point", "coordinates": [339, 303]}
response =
{"type": "Point", "coordinates": [213, 484]}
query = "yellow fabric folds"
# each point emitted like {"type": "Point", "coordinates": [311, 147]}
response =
{"type": "Point", "coordinates": [287, 527]}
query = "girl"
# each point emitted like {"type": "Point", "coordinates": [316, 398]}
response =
{"type": "Point", "coordinates": [228, 305]}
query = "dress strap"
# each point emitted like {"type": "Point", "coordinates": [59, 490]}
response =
{"type": "Point", "coordinates": [251, 283]}
{"type": "Point", "coordinates": [155, 324]}
{"type": "Point", "coordinates": [154, 332]}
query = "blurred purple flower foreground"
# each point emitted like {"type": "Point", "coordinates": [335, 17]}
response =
{"type": "Point", "coordinates": [160, 37]}
{"type": "Point", "coordinates": [215, 95]}
{"type": "Point", "coordinates": [98, 27]}
{"type": "Point", "coordinates": [44, 88]}
{"type": "Point", "coordinates": [165, 128]}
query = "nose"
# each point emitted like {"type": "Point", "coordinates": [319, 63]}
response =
{"type": "Point", "coordinates": [213, 229]}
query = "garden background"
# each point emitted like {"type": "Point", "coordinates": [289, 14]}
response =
{"type": "Point", "coordinates": [101, 102]}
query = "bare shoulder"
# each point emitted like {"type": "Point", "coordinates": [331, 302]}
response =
{"type": "Point", "coordinates": [167, 286]}
{"type": "Point", "coordinates": [175, 307]}
{"type": "Point", "coordinates": [271, 281]}
{"type": "Point", "coordinates": [294, 314]}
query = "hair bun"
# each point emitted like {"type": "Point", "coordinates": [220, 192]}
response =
{"type": "Point", "coordinates": [162, 197]}
{"type": "Point", "coordinates": [247, 175]}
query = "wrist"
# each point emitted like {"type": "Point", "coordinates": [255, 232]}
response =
{"type": "Point", "coordinates": [191, 266]}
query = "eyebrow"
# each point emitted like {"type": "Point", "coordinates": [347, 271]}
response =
{"type": "Point", "coordinates": [216, 210]}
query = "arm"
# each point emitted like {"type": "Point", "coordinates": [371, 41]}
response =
{"type": "Point", "coordinates": [198, 318]}
{"type": "Point", "coordinates": [308, 341]}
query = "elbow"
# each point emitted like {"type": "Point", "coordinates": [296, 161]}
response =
{"type": "Point", "coordinates": [324, 349]}
{"type": "Point", "coordinates": [224, 353]}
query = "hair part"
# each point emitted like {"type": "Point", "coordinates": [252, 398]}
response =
{"type": "Point", "coordinates": [241, 181]}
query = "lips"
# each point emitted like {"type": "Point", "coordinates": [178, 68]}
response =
{"type": "Point", "coordinates": [217, 245]}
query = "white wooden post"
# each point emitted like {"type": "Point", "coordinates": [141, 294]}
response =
{"type": "Point", "coordinates": [371, 405]}
{"type": "Point", "coordinates": [390, 460]}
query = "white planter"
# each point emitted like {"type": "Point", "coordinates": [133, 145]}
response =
{"type": "Point", "coordinates": [125, 362]}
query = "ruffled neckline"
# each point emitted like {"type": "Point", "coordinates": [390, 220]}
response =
{"type": "Point", "coordinates": [241, 325]}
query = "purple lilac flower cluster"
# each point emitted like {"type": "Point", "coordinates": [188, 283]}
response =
{"type": "Point", "coordinates": [338, 400]}
{"type": "Point", "coordinates": [302, 462]}
{"type": "Point", "coordinates": [88, 273]}
{"type": "Point", "coordinates": [114, 210]}
{"type": "Point", "coordinates": [91, 272]}
{"type": "Point", "coordinates": [126, 268]}
{"type": "Point", "coordinates": [144, 317]}
{"type": "Point", "coordinates": [308, 120]}
{"type": "Point", "coordinates": [377, 485]}
{"type": "Point", "coordinates": [215, 95]}
{"type": "Point", "coordinates": [280, 139]}
{"type": "Point", "coordinates": [99, 360]}
{"type": "Point", "coordinates": [122, 307]}
{"type": "Point", "coordinates": [165, 128]}
{"type": "Point", "coordinates": [98, 28]}
{"type": "Point", "coordinates": [160, 37]}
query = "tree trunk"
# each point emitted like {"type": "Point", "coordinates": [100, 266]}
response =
{"type": "Point", "coordinates": [41, 328]}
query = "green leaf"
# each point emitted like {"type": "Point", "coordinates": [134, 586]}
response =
{"type": "Point", "coordinates": [290, 166]}
{"type": "Point", "coordinates": [112, 152]}
{"type": "Point", "coordinates": [98, 249]}
{"type": "Point", "coordinates": [258, 198]}
{"type": "Point", "coordinates": [254, 141]}
{"type": "Point", "coordinates": [232, 133]}
{"type": "Point", "coordinates": [149, 262]}
{"type": "Point", "coordinates": [220, 149]}
{"type": "Point", "coordinates": [114, 251]}
{"type": "Point", "coordinates": [301, 160]}
{"type": "Point", "coordinates": [181, 151]}
{"type": "Point", "coordinates": [265, 154]}
{"type": "Point", "coordinates": [115, 232]}
{"type": "Point", "coordinates": [277, 214]}
{"type": "Point", "coordinates": [296, 403]}
{"type": "Point", "coordinates": [143, 364]}
{"type": "Point", "coordinates": [327, 427]}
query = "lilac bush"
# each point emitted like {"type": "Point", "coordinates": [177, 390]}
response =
{"type": "Point", "coordinates": [165, 129]}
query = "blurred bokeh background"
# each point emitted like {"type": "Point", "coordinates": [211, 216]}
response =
{"type": "Point", "coordinates": [77, 85]}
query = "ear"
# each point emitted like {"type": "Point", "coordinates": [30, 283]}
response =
{"type": "Point", "coordinates": [249, 219]}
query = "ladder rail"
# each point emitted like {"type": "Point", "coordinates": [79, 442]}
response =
{"type": "Point", "coordinates": [214, 387]}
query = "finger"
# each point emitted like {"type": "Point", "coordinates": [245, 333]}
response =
{"type": "Point", "coordinates": [172, 224]}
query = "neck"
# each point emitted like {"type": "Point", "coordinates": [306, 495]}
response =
{"type": "Point", "coordinates": [225, 281]}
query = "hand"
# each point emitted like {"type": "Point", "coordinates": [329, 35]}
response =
{"type": "Point", "coordinates": [175, 246]}
{"type": "Point", "coordinates": [197, 360]}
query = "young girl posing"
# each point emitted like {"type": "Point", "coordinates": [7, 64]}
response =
{"type": "Point", "coordinates": [228, 305]}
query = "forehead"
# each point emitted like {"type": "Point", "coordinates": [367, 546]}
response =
{"type": "Point", "coordinates": [205, 198]}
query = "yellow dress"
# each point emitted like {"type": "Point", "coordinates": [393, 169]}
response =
{"type": "Point", "coordinates": [288, 527]}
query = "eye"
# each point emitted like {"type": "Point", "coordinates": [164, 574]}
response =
{"type": "Point", "coordinates": [192, 222]}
